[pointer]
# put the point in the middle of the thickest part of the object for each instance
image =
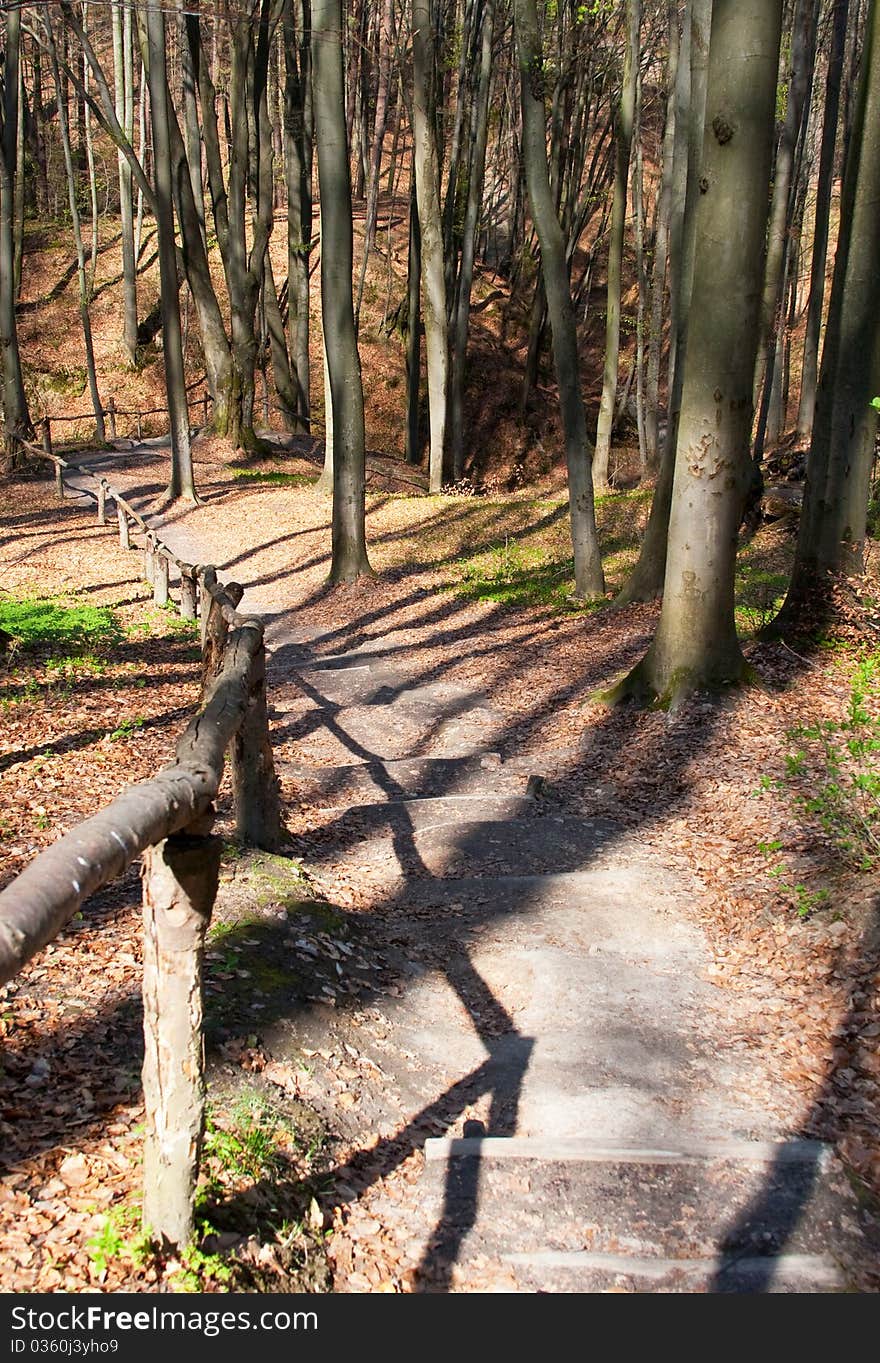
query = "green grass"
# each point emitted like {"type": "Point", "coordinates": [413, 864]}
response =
{"type": "Point", "coordinates": [35, 622]}
{"type": "Point", "coordinates": [760, 592]}
{"type": "Point", "coordinates": [515, 575]}
{"type": "Point", "coordinates": [271, 476]}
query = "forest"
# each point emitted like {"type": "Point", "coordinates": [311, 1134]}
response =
{"type": "Point", "coordinates": [439, 646]}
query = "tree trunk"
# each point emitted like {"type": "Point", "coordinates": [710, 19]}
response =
{"type": "Point", "coordinates": [802, 56]}
{"type": "Point", "coordinates": [181, 482]}
{"type": "Point", "coordinates": [831, 538]}
{"type": "Point", "coordinates": [349, 557]}
{"type": "Point", "coordinates": [124, 91]}
{"type": "Point", "coordinates": [623, 146]}
{"type": "Point", "coordinates": [661, 252]}
{"type": "Point", "coordinates": [283, 375]}
{"type": "Point", "coordinates": [16, 418]}
{"type": "Point", "coordinates": [180, 877]}
{"type": "Point", "coordinates": [825, 183]}
{"type": "Point", "coordinates": [468, 245]}
{"type": "Point", "coordinates": [427, 169]}
{"type": "Point", "coordinates": [695, 647]}
{"type": "Point", "coordinates": [588, 576]}
{"type": "Point", "coordinates": [413, 447]}
{"type": "Point", "coordinates": [84, 299]}
{"type": "Point", "coordinates": [381, 119]}
{"type": "Point", "coordinates": [700, 18]}
{"type": "Point", "coordinates": [298, 179]}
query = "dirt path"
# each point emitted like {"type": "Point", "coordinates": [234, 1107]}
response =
{"type": "Point", "coordinates": [544, 1088]}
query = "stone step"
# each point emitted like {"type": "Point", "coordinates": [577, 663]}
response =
{"type": "Point", "coordinates": [549, 1271]}
{"type": "Point", "coordinates": [690, 1215]}
{"type": "Point", "coordinates": [456, 837]}
{"type": "Point", "coordinates": [398, 729]}
{"type": "Point", "coordinates": [414, 777]}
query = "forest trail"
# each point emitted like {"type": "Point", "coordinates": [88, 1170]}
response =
{"type": "Point", "coordinates": [557, 1101]}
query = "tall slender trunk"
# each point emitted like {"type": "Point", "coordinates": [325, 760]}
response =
{"type": "Point", "coordinates": [623, 146]}
{"type": "Point", "coordinates": [589, 579]}
{"type": "Point", "coordinates": [413, 450]}
{"type": "Point", "coordinates": [646, 580]}
{"type": "Point", "coordinates": [427, 168]}
{"type": "Point", "coordinates": [381, 119]}
{"type": "Point", "coordinates": [298, 179]}
{"type": "Point", "coordinates": [82, 280]}
{"type": "Point", "coordinates": [124, 93]}
{"type": "Point", "coordinates": [802, 55]}
{"type": "Point", "coordinates": [468, 245]}
{"type": "Point", "coordinates": [283, 375]}
{"type": "Point", "coordinates": [695, 647]}
{"type": "Point", "coordinates": [822, 213]}
{"type": "Point", "coordinates": [16, 417]}
{"type": "Point", "coordinates": [661, 251]}
{"type": "Point", "coordinates": [181, 482]}
{"type": "Point", "coordinates": [831, 538]}
{"type": "Point", "coordinates": [641, 276]}
{"type": "Point", "coordinates": [349, 560]}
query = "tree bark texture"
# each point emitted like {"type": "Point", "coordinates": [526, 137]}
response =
{"type": "Point", "coordinates": [180, 878]}
{"type": "Point", "coordinates": [588, 576]}
{"type": "Point", "coordinates": [349, 552]}
{"type": "Point", "coordinates": [822, 214]}
{"type": "Point", "coordinates": [427, 167]}
{"type": "Point", "coordinates": [16, 418]}
{"type": "Point", "coordinates": [696, 645]}
{"type": "Point", "coordinates": [831, 537]}
{"type": "Point", "coordinates": [623, 147]}
{"type": "Point", "coordinates": [181, 482]}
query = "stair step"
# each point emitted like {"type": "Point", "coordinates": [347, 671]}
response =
{"type": "Point", "coordinates": [414, 777]}
{"type": "Point", "coordinates": [577, 1149]}
{"type": "Point", "coordinates": [721, 1212]}
{"type": "Point", "coordinates": [760, 1273]}
{"type": "Point", "coordinates": [474, 840]}
{"type": "Point", "coordinates": [398, 729]}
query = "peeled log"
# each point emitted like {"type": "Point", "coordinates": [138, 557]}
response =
{"type": "Point", "coordinates": [180, 884]}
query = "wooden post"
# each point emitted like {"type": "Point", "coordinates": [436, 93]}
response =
{"type": "Point", "coordinates": [124, 536]}
{"type": "Point", "coordinates": [180, 878]}
{"type": "Point", "coordinates": [207, 580]}
{"type": "Point", "coordinates": [188, 592]}
{"type": "Point", "coordinates": [215, 631]}
{"type": "Point", "coordinates": [111, 412]}
{"type": "Point", "coordinates": [47, 446]}
{"type": "Point", "coordinates": [205, 406]}
{"type": "Point", "coordinates": [149, 558]}
{"type": "Point", "coordinates": [254, 783]}
{"type": "Point", "coordinates": [102, 502]}
{"type": "Point", "coordinates": [139, 429]}
{"type": "Point", "coordinates": [160, 579]}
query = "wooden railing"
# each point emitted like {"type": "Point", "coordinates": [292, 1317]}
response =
{"type": "Point", "coordinates": [112, 412]}
{"type": "Point", "coordinates": [167, 820]}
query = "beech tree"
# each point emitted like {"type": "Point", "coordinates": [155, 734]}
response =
{"type": "Point", "coordinates": [589, 579]}
{"type": "Point", "coordinates": [349, 559]}
{"type": "Point", "coordinates": [16, 417]}
{"type": "Point", "coordinates": [831, 537]}
{"type": "Point", "coordinates": [695, 646]}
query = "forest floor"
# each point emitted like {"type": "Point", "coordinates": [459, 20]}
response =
{"type": "Point", "coordinates": [759, 804]}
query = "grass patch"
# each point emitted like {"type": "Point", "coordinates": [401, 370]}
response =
{"type": "Point", "coordinates": [34, 622]}
{"type": "Point", "coordinates": [273, 476]}
{"type": "Point", "coordinates": [760, 593]}
{"type": "Point", "coordinates": [512, 574]}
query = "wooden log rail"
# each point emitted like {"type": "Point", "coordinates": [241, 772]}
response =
{"type": "Point", "coordinates": [167, 820]}
{"type": "Point", "coordinates": [157, 556]}
{"type": "Point", "coordinates": [111, 411]}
